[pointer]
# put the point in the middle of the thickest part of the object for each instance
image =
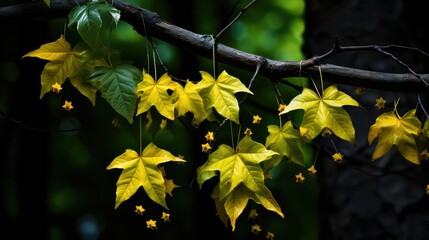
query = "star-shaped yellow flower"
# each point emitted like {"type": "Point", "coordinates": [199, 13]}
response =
{"type": "Point", "coordinates": [270, 236]}
{"type": "Point", "coordinates": [427, 189]}
{"type": "Point", "coordinates": [151, 224]}
{"type": "Point", "coordinates": [165, 216]}
{"type": "Point", "coordinates": [299, 178]}
{"type": "Point", "coordinates": [209, 136]}
{"type": "Point", "coordinates": [56, 87]}
{"type": "Point", "coordinates": [252, 214]}
{"type": "Point", "coordinates": [256, 119]}
{"type": "Point", "coordinates": [205, 147]}
{"type": "Point", "coordinates": [139, 209]}
{"type": "Point", "coordinates": [68, 105]}
{"type": "Point", "coordinates": [116, 122]}
{"type": "Point", "coordinates": [170, 186]}
{"type": "Point", "coordinates": [312, 170]}
{"type": "Point", "coordinates": [281, 107]}
{"type": "Point", "coordinates": [359, 91]}
{"type": "Point", "coordinates": [255, 229]}
{"type": "Point", "coordinates": [248, 132]}
{"type": "Point", "coordinates": [326, 132]}
{"type": "Point", "coordinates": [337, 157]}
{"type": "Point", "coordinates": [424, 154]}
{"type": "Point", "coordinates": [380, 102]}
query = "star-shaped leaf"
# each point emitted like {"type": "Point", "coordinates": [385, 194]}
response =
{"type": "Point", "coordinates": [117, 85]}
{"type": "Point", "coordinates": [219, 94]}
{"type": "Point", "coordinates": [237, 166]}
{"type": "Point", "coordinates": [231, 207]}
{"type": "Point", "coordinates": [324, 112]}
{"type": "Point", "coordinates": [285, 141]}
{"type": "Point", "coordinates": [142, 171]}
{"type": "Point", "coordinates": [64, 62]}
{"type": "Point", "coordinates": [190, 101]}
{"type": "Point", "coordinates": [156, 94]}
{"type": "Point", "coordinates": [391, 129]}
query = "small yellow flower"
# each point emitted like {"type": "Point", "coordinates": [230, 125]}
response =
{"type": "Point", "coordinates": [68, 105]}
{"type": "Point", "coordinates": [256, 119]}
{"type": "Point", "coordinates": [252, 214]}
{"type": "Point", "coordinates": [427, 189]}
{"type": "Point", "coordinates": [299, 178]}
{"type": "Point", "coordinates": [326, 132]}
{"type": "Point", "coordinates": [248, 132]}
{"type": "Point", "coordinates": [380, 102]}
{"type": "Point", "coordinates": [424, 154]}
{"type": "Point", "coordinates": [209, 136]}
{"type": "Point", "coordinates": [56, 87]}
{"type": "Point", "coordinates": [255, 229]}
{"type": "Point", "coordinates": [116, 122]}
{"type": "Point", "coordinates": [337, 157]}
{"type": "Point", "coordinates": [270, 236]}
{"type": "Point", "coordinates": [151, 224]}
{"type": "Point", "coordinates": [281, 107]}
{"type": "Point", "coordinates": [163, 124]}
{"type": "Point", "coordinates": [205, 147]}
{"type": "Point", "coordinates": [139, 210]}
{"type": "Point", "coordinates": [312, 170]}
{"type": "Point", "coordinates": [165, 216]}
{"type": "Point", "coordinates": [359, 91]}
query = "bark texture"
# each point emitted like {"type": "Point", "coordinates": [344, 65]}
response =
{"type": "Point", "coordinates": [360, 199]}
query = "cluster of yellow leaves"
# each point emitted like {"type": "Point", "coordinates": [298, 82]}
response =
{"type": "Point", "coordinates": [241, 178]}
{"type": "Point", "coordinates": [199, 99]}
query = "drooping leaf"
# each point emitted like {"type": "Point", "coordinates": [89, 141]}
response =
{"type": "Point", "coordinates": [324, 112]}
{"type": "Point", "coordinates": [237, 166]}
{"type": "Point", "coordinates": [117, 85]}
{"type": "Point", "coordinates": [89, 21]}
{"type": "Point", "coordinates": [64, 63]}
{"type": "Point", "coordinates": [391, 129]}
{"type": "Point", "coordinates": [142, 171]}
{"type": "Point", "coordinates": [219, 94]}
{"type": "Point", "coordinates": [156, 94]}
{"type": "Point", "coordinates": [190, 101]}
{"type": "Point", "coordinates": [285, 141]}
{"type": "Point", "coordinates": [231, 207]}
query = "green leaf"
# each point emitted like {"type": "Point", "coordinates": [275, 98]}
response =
{"type": "Point", "coordinates": [117, 85]}
{"type": "Point", "coordinates": [48, 2]}
{"type": "Point", "coordinates": [91, 19]}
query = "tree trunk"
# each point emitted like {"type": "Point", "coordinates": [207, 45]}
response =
{"type": "Point", "coordinates": [360, 199]}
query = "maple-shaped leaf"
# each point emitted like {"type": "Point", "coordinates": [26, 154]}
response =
{"type": "Point", "coordinates": [155, 93]}
{"type": "Point", "coordinates": [64, 63]}
{"type": "Point", "coordinates": [231, 207]}
{"type": "Point", "coordinates": [190, 101]}
{"type": "Point", "coordinates": [89, 21]}
{"type": "Point", "coordinates": [391, 129]}
{"type": "Point", "coordinates": [324, 112]}
{"type": "Point", "coordinates": [219, 94]}
{"type": "Point", "coordinates": [142, 171]}
{"type": "Point", "coordinates": [285, 141]}
{"type": "Point", "coordinates": [237, 166]}
{"type": "Point", "coordinates": [117, 85]}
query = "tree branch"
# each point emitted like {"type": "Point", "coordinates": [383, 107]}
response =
{"type": "Point", "coordinates": [202, 45]}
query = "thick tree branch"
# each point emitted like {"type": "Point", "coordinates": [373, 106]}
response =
{"type": "Point", "coordinates": [145, 21]}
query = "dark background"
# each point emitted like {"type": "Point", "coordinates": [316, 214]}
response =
{"type": "Point", "coordinates": [54, 181]}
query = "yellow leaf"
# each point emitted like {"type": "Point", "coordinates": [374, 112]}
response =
{"type": "Point", "coordinates": [142, 171]}
{"type": "Point", "coordinates": [219, 94]}
{"type": "Point", "coordinates": [237, 166]}
{"type": "Point", "coordinates": [190, 101]}
{"type": "Point", "coordinates": [156, 94]}
{"type": "Point", "coordinates": [392, 129]}
{"type": "Point", "coordinates": [285, 141]}
{"type": "Point", "coordinates": [324, 112]}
